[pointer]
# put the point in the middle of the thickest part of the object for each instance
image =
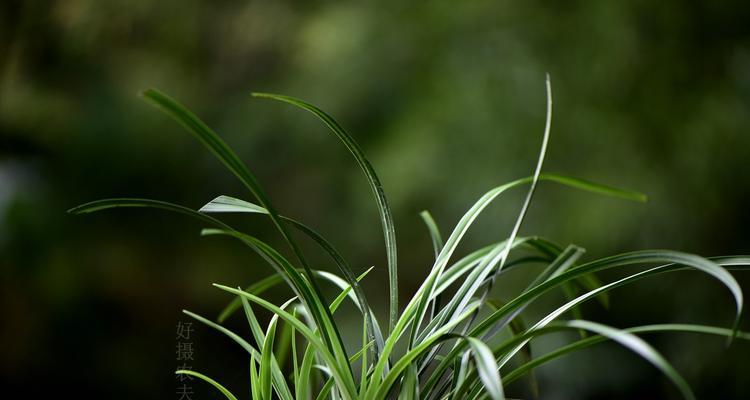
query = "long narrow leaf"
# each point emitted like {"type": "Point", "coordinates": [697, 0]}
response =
{"type": "Point", "coordinates": [592, 340]}
{"type": "Point", "coordinates": [463, 225]}
{"type": "Point", "coordinates": [432, 228]}
{"type": "Point", "coordinates": [379, 392]}
{"type": "Point", "coordinates": [278, 377]}
{"type": "Point", "coordinates": [224, 204]}
{"type": "Point", "coordinates": [386, 217]}
{"type": "Point", "coordinates": [343, 378]}
{"type": "Point", "coordinates": [677, 261]}
{"type": "Point", "coordinates": [213, 383]}
{"type": "Point", "coordinates": [211, 140]}
{"type": "Point", "coordinates": [325, 321]}
{"type": "Point", "coordinates": [487, 368]}
{"type": "Point", "coordinates": [255, 379]}
{"type": "Point", "coordinates": [227, 156]}
{"type": "Point", "coordinates": [640, 347]}
{"type": "Point", "coordinates": [530, 193]}
{"type": "Point", "coordinates": [623, 337]}
{"type": "Point", "coordinates": [267, 354]}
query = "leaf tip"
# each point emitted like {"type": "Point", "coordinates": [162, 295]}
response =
{"type": "Point", "coordinates": [146, 93]}
{"type": "Point", "coordinates": [209, 231]}
{"type": "Point", "coordinates": [223, 287]}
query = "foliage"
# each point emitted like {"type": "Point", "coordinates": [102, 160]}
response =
{"type": "Point", "coordinates": [451, 339]}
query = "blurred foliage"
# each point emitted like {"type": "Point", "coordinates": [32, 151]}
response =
{"type": "Point", "coordinates": [446, 98]}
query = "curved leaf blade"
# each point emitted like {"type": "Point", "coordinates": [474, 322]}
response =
{"type": "Point", "coordinates": [213, 383]}
{"type": "Point", "coordinates": [224, 204]}
{"type": "Point", "coordinates": [386, 216]}
{"type": "Point", "coordinates": [592, 340]}
{"type": "Point", "coordinates": [640, 347]}
{"type": "Point", "coordinates": [487, 368]}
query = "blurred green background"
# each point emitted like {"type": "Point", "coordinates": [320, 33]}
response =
{"type": "Point", "coordinates": [447, 99]}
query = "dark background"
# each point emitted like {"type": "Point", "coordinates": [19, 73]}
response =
{"type": "Point", "coordinates": [447, 99]}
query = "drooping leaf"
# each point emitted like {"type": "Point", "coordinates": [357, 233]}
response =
{"type": "Point", "coordinates": [223, 204]}
{"type": "Point", "coordinates": [212, 141]}
{"type": "Point", "coordinates": [386, 216]}
{"type": "Point", "coordinates": [640, 347]}
{"type": "Point", "coordinates": [213, 383]}
{"type": "Point", "coordinates": [487, 368]}
{"type": "Point", "coordinates": [592, 340]}
{"type": "Point", "coordinates": [676, 261]}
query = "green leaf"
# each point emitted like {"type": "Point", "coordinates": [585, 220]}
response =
{"type": "Point", "coordinates": [283, 345]}
{"type": "Point", "coordinates": [363, 370]}
{"type": "Point", "coordinates": [517, 327]}
{"type": "Point", "coordinates": [227, 156]}
{"type": "Point", "coordinates": [591, 282]}
{"type": "Point", "coordinates": [424, 292]}
{"type": "Point", "coordinates": [338, 368]}
{"type": "Point", "coordinates": [487, 368]}
{"type": "Point", "coordinates": [503, 256]}
{"type": "Point", "coordinates": [306, 289]}
{"type": "Point", "coordinates": [592, 340]}
{"type": "Point", "coordinates": [252, 321]}
{"type": "Point", "coordinates": [379, 392]}
{"type": "Point", "coordinates": [266, 357]}
{"type": "Point", "coordinates": [386, 217]}
{"type": "Point", "coordinates": [278, 377]}
{"type": "Point", "coordinates": [295, 361]}
{"type": "Point", "coordinates": [126, 202]}
{"type": "Point", "coordinates": [237, 338]}
{"type": "Point", "coordinates": [221, 150]}
{"type": "Point", "coordinates": [325, 390]}
{"type": "Point", "coordinates": [303, 289]}
{"type": "Point", "coordinates": [255, 385]}
{"type": "Point", "coordinates": [640, 347]}
{"type": "Point", "coordinates": [460, 299]}
{"type": "Point", "coordinates": [270, 281]}
{"type": "Point", "coordinates": [302, 382]}
{"type": "Point", "coordinates": [623, 337]}
{"type": "Point", "coordinates": [223, 204]}
{"type": "Point", "coordinates": [215, 384]}
{"type": "Point", "coordinates": [437, 244]}
{"type": "Point", "coordinates": [676, 261]}
{"type": "Point", "coordinates": [594, 187]}
{"type": "Point", "coordinates": [226, 204]}
{"type": "Point", "coordinates": [432, 228]}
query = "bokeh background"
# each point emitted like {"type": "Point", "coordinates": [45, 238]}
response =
{"type": "Point", "coordinates": [447, 99]}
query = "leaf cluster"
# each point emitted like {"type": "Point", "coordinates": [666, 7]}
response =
{"type": "Point", "coordinates": [450, 340]}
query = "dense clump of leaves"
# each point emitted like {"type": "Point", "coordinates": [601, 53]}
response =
{"type": "Point", "coordinates": [438, 346]}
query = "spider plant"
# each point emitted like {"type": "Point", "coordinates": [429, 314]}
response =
{"type": "Point", "coordinates": [451, 339]}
